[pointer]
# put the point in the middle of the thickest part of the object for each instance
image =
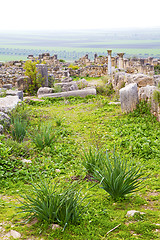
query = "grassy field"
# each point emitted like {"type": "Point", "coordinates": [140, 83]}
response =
{"type": "Point", "coordinates": [78, 124]}
{"type": "Point", "coordinates": [73, 45]}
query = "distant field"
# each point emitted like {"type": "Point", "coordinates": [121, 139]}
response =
{"type": "Point", "coordinates": [72, 45]}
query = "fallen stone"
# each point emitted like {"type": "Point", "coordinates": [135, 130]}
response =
{"type": "Point", "coordinates": [67, 86]}
{"type": "Point", "coordinates": [8, 103]}
{"type": "Point", "coordinates": [44, 90]}
{"type": "Point", "coordinates": [26, 161]}
{"type": "Point", "coordinates": [114, 103]}
{"type": "Point", "coordinates": [131, 213]}
{"type": "Point", "coordinates": [55, 226]}
{"type": "Point", "coordinates": [13, 234]}
{"type": "Point", "coordinates": [82, 83]}
{"type": "Point", "coordinates": [15, 93]}
{"type": "Point", "coordinates": [147, 94]}
{"type": "Point", "coordinates": [81, 93]}
{"type": "Point", "coordinates": [7, 86]}
{"type": "Point", "coordinates": [4, 118]}
{"type": "Point", "coordinates": [129, 97]}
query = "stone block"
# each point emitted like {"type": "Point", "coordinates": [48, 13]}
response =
{"type": "Point", "coordinates": [7, 86]}
{"type": "Point", "coordinates": [129, 97]}
{"type": "Point", "coordinates": [44, 90]}
{"type": "Point", "coordinates": [15, 93]}
{"type": "Point", "coordinates": [81, 93]}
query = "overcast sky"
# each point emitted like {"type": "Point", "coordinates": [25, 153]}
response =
{"type": "Point", "coordinates": [75, 14]}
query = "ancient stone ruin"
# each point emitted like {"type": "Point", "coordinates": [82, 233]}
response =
{"type": "Point", "coordinates": [130, 77]}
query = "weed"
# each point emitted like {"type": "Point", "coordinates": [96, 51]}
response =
{"type": "Point", "coordinates": [44, 136]}
{"type": "Point", "coordinates": [18, 129]}
{"type": "Point", "coordinates": [48, 203]}
{"type": "Point", "coordinates": [92, 158]}
{"type": "Point", "coordinates": [117, 177]}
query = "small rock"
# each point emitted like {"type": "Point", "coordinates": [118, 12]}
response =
{"type": "Point", "coordinates": [26, 161]}
{"type": "Point", "coordinates": [131, 213]}
{"type": "Point", "coordinates": [1, 129]}
{"type": "Point", "coordinates": [55, 226]}
{"type": "Point", "coordinates": [13, 234]}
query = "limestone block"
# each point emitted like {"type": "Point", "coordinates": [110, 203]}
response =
{"type": "Point", "coordinates": [13, 234]}
{"type": "Point", "coordinates": [7, 86]}
{"type": "Point", "coordinates": [15, 93]}
{"type": "Point", "coordinates": [131, 213]}
{"type": "Point", "coordinates": [8, 103]}
{"type": "Point", "coordinates": [43, 70]}
{"type": "Point", "coordinates": [23, 82]}
{"type": "Point", "coordinates": [44, 90]}
{"type": "Point", "coordinates": [67, 86]}
{"type": "Point", "coordinates": [81, 93]}
{"type": "Point", "coordinates": [142, 80]}
{"type": "Point", "coordinates": [129, 97]}
{"type": "Point", "coordinates": [146, 93]}
{"type": "Point", "coordinates": [4, 118]}
{"type": "Point", "coordinates": [82, 83]}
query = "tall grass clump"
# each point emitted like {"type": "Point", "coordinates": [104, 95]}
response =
{"type": "Point", "coordinates": [18, 129]}
{"type": "Point", "coordinates": [92, 158]}
{"type": "Point", "coordinates": [43, 136]}
{"type": "Point", "coordinates": [47, 202]}
{"type": "Point", "coordinates": [116, 176]}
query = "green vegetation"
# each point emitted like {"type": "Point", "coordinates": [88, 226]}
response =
{"type": "Point", "coordinates": [35, 79]}
{"type": "Point", "coordinates": [43, 136]}
{"type": "Point", "coordinates": [157, 69]}
{"type": "Point", "coordinates": [67, 167]}
{"type": "Point", "coordinates": [117, 177]}
{"type": "Point", "coordinates": [53, 205]}
{"type": "Point", "coordinates": [18, 129]}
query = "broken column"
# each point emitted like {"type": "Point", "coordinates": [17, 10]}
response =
{"type": "Point", "coordinates": [43, 71]}
{"type": "Point", "coordinates": [120, 64]}
{"type": "Point", "coordinates": [109, 62]}
{"type": "Point", "coordinates": [129, 97]}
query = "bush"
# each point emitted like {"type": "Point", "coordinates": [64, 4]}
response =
{"type": "Point", "coordinates": [43, 136]}
{"type": "Point", "coordinates": [74, 67]}
{"type": "Point", "coordinates": [117, 177]}
{"type": "Point", "coordinates": [105, 89]}
{"type": "Point", "coordinates": [36, 80]}
{"type": "Point", "coordinates": [156, 95]}
{"type": "Point", "coordinates": [18, 129]}
{"type": "Point", "coordinates": [48, 203]}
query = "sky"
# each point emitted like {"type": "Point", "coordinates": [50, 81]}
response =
{"type": "Point", "coordinates": [75, 14]}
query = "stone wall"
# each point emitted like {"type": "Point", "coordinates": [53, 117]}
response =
{"type": "Point", "coordinates": [89, 71]}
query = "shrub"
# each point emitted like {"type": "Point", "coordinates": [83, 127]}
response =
{"type": "Point", "coordinates": [156, 94]}
{"type": "Point", "coordinates": [57, 89]}
{"type": "Point", "coordinates": [62, 60]}
{"type": "Point", "coordinates": [74, 67]}
{"type": "Point", "coordinates": [48, 203]}
{"type": "Point", "coordinates": [36, 80]}
{"type": "Point", "coordinates": [105, 89]}
{"type": "Point", "coordinates": [18, 129]}
{"type": "Point", "coordinates": [117, 177]}
{"type": "Point", "coordinates": [43, 136]}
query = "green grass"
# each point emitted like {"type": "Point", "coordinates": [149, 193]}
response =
{"type": "Point", "coordinates": [89, 121]}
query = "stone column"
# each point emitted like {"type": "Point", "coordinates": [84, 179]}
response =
{"type": "Point", "coordinates": [121, 65]}
{"type": "Point", "coordinates": [109, 62]}
{"type": "Point", "coordinates": [43, 70]}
